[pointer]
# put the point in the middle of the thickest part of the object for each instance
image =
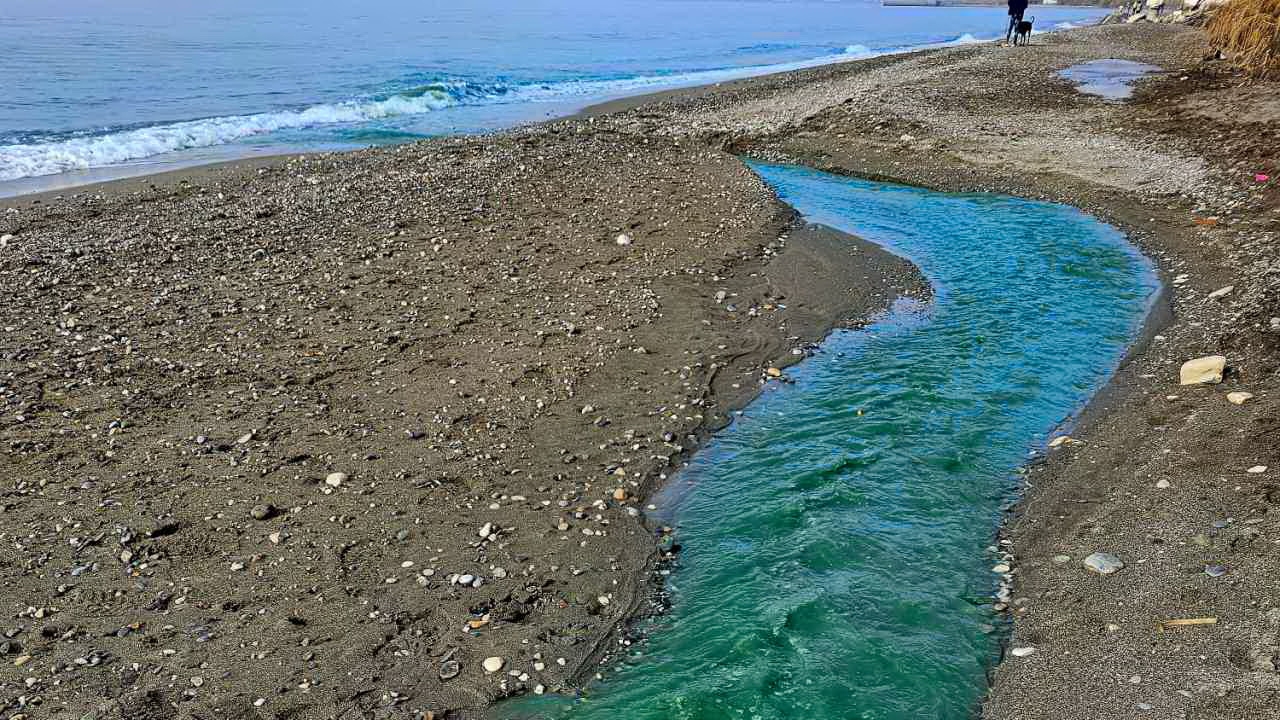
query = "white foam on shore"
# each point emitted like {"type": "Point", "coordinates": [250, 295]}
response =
{"type": "Point", "coordinates": [122, 146]}
{"type": "Point", "coordinates": [18, 161]}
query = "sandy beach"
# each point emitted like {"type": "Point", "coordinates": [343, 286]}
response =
{"type": "Point", "coordinates": [316, 436]}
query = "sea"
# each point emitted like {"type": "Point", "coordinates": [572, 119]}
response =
{"type": "Point", "coordinates": [101, 89]}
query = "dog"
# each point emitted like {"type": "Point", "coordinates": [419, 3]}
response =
{"type": "Point", "coordinates": [1022, 33]}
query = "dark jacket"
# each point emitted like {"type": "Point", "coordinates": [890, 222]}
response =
{"type": "Point", "coordinates": [1017, 7]}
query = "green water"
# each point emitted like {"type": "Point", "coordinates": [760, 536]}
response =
{"type": "Point", "coordinates": [835, 538]}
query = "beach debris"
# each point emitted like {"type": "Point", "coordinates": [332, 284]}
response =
{"type": "Point", "coordinates": [335, 479]}
{"type": "Point", "coordinates": [1215, 570]}
{"type": "Point", "coordinates": [262, 512]}
{"type": "Point", "coordinates": [1203, 370]}
{"type": "Point", "coordinates": [493, 664]}
{"type": "Point", "coordinates": [773, 372]}
{"type": "Point", "coordinates": [1261, 177]}
{"type": "Point", "coordinates": [1221, 292]}
{"type": "Point", "coordinates": [1061, 559]}
{"type": "Point", "coordinates": [1001, 568]}
{"type": "Point", "coordinates": [1103, 563]}
{"type": "Point", "coordinates": [1021, 652]}
{"type": "Point", "coordinates": [1239, 398]}
{"type": "Point", "coordinates": [1257, 470]}
{"type": "Point", "coordinates": [449, 669]}
{"type": "Point", "coordinates": [1062, 440]}
{"type": "Point", "coordinates": [1187, 622]}
{"type": "Point", "coordinates": [623, 239]}
{"type": "Point", "coordinates": [1162, 484]}
{"type": "Point", "coordinates": [1205, 221]}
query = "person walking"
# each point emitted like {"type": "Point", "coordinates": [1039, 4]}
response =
{"type": "Point", "coordinates": [1016, 10]}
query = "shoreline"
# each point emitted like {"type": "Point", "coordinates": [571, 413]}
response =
{"type": "Point", "coordinates": [853, 118]}
{"type": "Point", "coordinates": [602, 107]}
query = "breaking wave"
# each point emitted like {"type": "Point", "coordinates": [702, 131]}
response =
{"type": "Point", "coordinates": [42, 153]}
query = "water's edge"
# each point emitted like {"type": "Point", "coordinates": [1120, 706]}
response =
{"type": "Point", "coordinates": [1156, 315]}
{"type": "Point", "coordinates": [110, 177]}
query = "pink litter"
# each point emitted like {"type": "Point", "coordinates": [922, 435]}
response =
{"type": "Point", "coordinates": [1261, 178]}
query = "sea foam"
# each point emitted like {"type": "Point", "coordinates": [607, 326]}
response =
{"type": "Point", "coordinates": [80, 151]}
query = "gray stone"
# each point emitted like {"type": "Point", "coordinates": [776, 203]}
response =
{"type": "Point", "coordinates": [1103, 563]}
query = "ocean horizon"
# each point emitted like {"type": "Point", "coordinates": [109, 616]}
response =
{"type": "Point", "coordinates": [99, 91]}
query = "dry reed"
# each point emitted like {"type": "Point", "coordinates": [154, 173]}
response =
{"type": "Point", "coordinates": [1249, 32]}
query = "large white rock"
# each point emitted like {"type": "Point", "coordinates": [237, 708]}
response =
{"type": "Point", "coordinates": [1203, 370]}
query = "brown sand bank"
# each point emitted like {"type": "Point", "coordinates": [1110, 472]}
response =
{"type": "Point", "coordinates": [434, 320]}
{"type": "Point", "coordinates": [501, 344]}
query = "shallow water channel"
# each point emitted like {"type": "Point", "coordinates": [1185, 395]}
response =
{"type": "Point", "coordinates": [835, 561]}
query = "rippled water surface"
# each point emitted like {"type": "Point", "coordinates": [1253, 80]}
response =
{"type": "Point", "coordinates": [92, 84]}
{"type": "Point", "coordinates": [835, 562]}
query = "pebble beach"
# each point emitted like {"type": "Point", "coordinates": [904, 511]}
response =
{"type": "Point", "coordinates": [373, 434]}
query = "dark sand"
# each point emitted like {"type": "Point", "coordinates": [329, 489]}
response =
{"type": "Point", "coordinates": [433, 320]}
{"type": "Point", "coordinates": [453, 325]}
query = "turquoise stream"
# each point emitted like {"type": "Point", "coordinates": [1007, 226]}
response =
{"type": "Point", "coordinates": [835, 562]}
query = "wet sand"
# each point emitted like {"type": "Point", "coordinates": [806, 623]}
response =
{"type": "Point", "coordinates": [455, 328]}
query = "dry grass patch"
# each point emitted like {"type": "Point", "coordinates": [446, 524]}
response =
{"type": "Point", "coordinates": [1249, 32]}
